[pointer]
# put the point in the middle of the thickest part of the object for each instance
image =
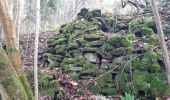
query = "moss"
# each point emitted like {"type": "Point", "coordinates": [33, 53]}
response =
{"type": "Point", "coordinates": [54, 64]}
{"type": "Point", "coordinates": [125, 42]}
{"type": "Point", "coordinates": [27, 87]}
{"type": "Point", "coordinates": [53, 60]}
{"type": "Point", "coordinates": [74, 76]}
{"type": "Point", "coordinates": [65, 68]}
{"type": "Point", "coordinates": [94, 44]}
{"type": "Point", "coordinates": [146, 47]}
{"type": "Point", "coordinates": [151, 40]}
{"type": "Point", "coordinates": [108, 90]}
{"type": "Point", "coordinates": [114, 37]}
{"type": "Point", "coordinates": [148, 62]}
{"type": "Point", "coordinates": [88, 50]}
{"type": "Point", "coordinates": [155, 67]}
{"type": "Point", "coordinates": [140, 81]}
{"type": "Point", "coordinates": [75, 53]}
{"type": "Point", "coordinates": [89, 68]}
{"type": "Point", "coordinates": [123, 85]}
{"type": "Point", "coordinates": [115, 40]}
{"type": "Point", "coordinates": [92, 37]}
{"type": "Point", "coordinates": [111, 65]}
{"type": "Point", "coordinates": [110, 21]}
{"type": "Point", "coordinates": [9, 79]}
{"type": "Point", "coordinates": [61, 49]}
{"type": "Point", "coordinates": [72, 46]}
{"type": "Point", "coordinates": [122, 26]}
{"type": "Point", "coordinates": [153, 55]}
{"type": "Point", "coordinates": [150, 23]}
{"type": "Point", "coordinates": [3, 61]}
{"type": "Point", "coordinates": [101, 82]}
{"type": "Point", "coordinates": [131, 36]}
{"type": "Point", "coordinates": [136, 22]}
{"type": "Point", "coordinates": [166, 30]}
{"type": "Point", "coordinates": [69, 60]}
{"type": "Point", "coordinates": [157, 86]}
{"type": "Point", "coordinates": [48, 85]}
{"type": "Point", "coordinates": [106, 47]}
{"type": "Point", "coordinates": [147, 31]}
{"type": "Point", "coordinates": [118, 51]}
{"type": "Point", "coordinates": [81, 25]}
{"type": "Point", "coordinates": [67, 28]}
{"type": "Point", "coordinates": [61, 40]}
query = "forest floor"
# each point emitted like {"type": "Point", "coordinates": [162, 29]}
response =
{"type": "Point", "coordinates": [27, 48]}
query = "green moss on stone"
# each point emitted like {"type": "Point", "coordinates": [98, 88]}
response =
{"type": "Point", "coordinates": [150, 23]}
{"type": "Point", "coordinates": [89, 68]}
{"type": "Point", "coordinates": [131, 37]}
{"type": "Point", "coordinates": [147, 31]}
{"type": "Point", "coordinates": [108, 90]}
{"type": "Point", "coordinates": [88, 50]}
{"type": "Point", "coordinates": [92, 37]}
{"type": "Point", "coordinates": [94, 44]}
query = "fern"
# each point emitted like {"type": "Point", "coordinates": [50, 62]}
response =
{"type": "Point", "coordinates": [127, 97]}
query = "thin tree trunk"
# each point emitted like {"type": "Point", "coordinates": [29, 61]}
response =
{"type": "Point", "coordinates": [11, 43]}
{"type": "Point", "coordinates": [16, 11]}
{"type": "Point", "coordinates": [162, 39]}
{"type": "Point", "coordinates": [36, 48]}
{"type": "Point", "coordinates": [10, 85]}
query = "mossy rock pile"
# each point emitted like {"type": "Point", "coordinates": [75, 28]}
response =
{"type": "Point", "coordinates": [95, 44]}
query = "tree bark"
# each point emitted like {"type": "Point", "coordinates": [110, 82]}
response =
{"type": "Point", "coordinates": [11, 44]}
{"type": "Point", "coordinates": [161, 39]}
{"type": "Point", "coordinates": [17, 12]}
{"type": "Point", "coordinates": [36, 49]}
{"type": "Point", "coordinates": [10, 85]}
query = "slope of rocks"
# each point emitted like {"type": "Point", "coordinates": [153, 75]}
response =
{"type": "Point", "coordinates": [113, 55]}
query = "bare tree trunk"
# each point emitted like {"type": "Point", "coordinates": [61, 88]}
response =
{"type": "Point", "coordinates": [36, 48]}
{"type": "Point", "coordinates": [11, 43]}
{"type": "Point", "coordinates": [17, 17]}
{"type": "Point", "coordinates": [162, 39]}
{"type": "Point", "coordinates": [16, 11]}
{"type": "Point", "coordinates": [10, 85]}
{"type": "Point", "coordinates": [10, 36]}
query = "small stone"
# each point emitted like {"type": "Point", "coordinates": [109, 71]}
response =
{"type": "Point", "coordinates": [91, 57]}
{"type": "Point", "coordinates": [118, 60]}
{"type": "Point", "coordinates": [105, 61]}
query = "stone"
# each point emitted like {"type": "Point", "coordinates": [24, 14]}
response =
{"type": "Point", "coordinates": [91, 57]}
{"type": "Point", "coordinates": [83, 12]}
{"type": "Point", "coordinates": [118, 60]}
{"type": "Point", "coordinates": [104, 63]}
